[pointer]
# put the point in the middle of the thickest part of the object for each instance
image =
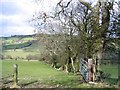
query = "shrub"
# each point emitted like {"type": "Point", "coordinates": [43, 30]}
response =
{"type": "Point", "coordinates": [8, 57]}
{"type": "Point", "coordinates": [102, 76]}
{"type": "Point", "coordinates": [1, 57]}
{"type": "Point", "coordinates": [33, 57]}
{"type": "Point", "coordinates": [45, 57]}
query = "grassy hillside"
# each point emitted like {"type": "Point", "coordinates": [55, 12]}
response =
{"type": "Point", "coordinates": [39, 74]}
{"type": "Point", "coordinates": [18, 53]}
{"type": "Point", "coordinates": [17, 39]}
{"type": "Point", "coordinates": [35, 46]}
{"type": "Point", "coordinates": [42, 73]}
{"type": "Point", "coordinates": [21, 46]}
{"type": "Point", "coordinates": [16, 46]}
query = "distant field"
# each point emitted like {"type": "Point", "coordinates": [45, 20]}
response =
{"type": "Point", "coordinates": [28, 38]}
{"type": "Point", "coordinates": [17, 39]}
{"type": "Point", "coordinates": [27, 46]}
{"type": "Point", "coordinates": [16, 46]}
{"type": "Point", "coordinates": [33, 49]}
{"type": "Point", "coordinates": [18, 53]}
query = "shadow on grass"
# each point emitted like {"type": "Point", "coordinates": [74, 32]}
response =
{"type": "Point", "coordinates": [111, 81]}
{"type": "Point", "coordinates": [29, 83]}
{"type": "Point", "coordinates": [6, 77]}
{"type": "Point", "coordinates": [7, 82]}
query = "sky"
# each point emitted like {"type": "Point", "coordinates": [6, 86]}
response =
{"type": "Point", "coordinates": [15, 15]}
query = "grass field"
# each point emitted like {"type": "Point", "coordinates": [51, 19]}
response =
{"type": "Point", "coordinates": [34, 47]}
{"type": "Point", "coordinates": [17, 39]}
{"type": "Point", "coordinates": [112, 71]}
{"type": "Point", "coordinates": [35, 73]}
{"type": "Point", "coordinates": [38, 71]}
{"type": "Point", "coordinates": [16, 46]}
{"type": "Point", "coordinates": [40, 74]}
{"type": "Point", "coordinates": [18, 53]}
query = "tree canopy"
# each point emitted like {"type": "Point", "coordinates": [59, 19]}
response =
{"type": "Point", "coordinates": [77, 29]}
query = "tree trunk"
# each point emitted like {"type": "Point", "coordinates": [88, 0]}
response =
{"type": "Point", "coordinates": [73, 65]}
{"type": "Point", "coordinates": [99, 57]}
{"type": "Point", "coordinates": [66, 68]}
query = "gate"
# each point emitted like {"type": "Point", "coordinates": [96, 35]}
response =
{"type": "Point", "coordinates": [88, 69]}
{"type": "Point", "coordinates": [84, 69]}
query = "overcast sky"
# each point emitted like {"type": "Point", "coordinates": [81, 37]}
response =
{"type": "Point", "coordinates": [15, 14]}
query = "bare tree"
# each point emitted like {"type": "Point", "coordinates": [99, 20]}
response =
{"type": "Point", "coordinates": [75, 29]}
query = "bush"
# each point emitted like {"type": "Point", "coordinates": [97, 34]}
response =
{"type": "Point", "coordinates": [45, 57]}
{"type": "Point", "coordinates": [1, 57]}
{"type": "Point", "coordinates": [33, 57]}
{"type": "Point", "coordinates": [16, 58]}
{"type": "Point", "coordinates": [8, 57]}
{"type": "Point", "coordinates": [102, 76]}
{"type": "Point", "coordinates": [58, 65]}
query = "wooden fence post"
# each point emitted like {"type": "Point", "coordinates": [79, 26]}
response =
{"type": "Point", "coordinates": [90, 73]}
{"type": "Point", "coordinates": [15, 77]}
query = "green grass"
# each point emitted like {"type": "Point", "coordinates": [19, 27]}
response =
{"type": "Point", "coordinates": [112, 70]}
{"type": "Point", "coordinates": [16, 46]}
{"type": "Point", "coordinates": [31, 71]}
{"type": "Point", "coordinates": [23, 52]}
{"type": "Point", "coordinates": [19, 53]}
{"type": "Point", "coordinates": [34, 47]}
{"type": "Point", "coordinates": [27, 38]}
{"type": "Point", "coordinates": [10, 40]}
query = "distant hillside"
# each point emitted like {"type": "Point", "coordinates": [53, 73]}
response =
{"type": "Point", "coordinates": [17, 41]}
{"type": "Point", "coordinates": [28, 43]}
{"type": "Point", "coordinates": [17, 36]}
{"type": "Point", "coordinates": [17, 46]}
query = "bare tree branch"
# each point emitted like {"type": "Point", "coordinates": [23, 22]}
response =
{"type": "Point", "coordinates": [86, 4]}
